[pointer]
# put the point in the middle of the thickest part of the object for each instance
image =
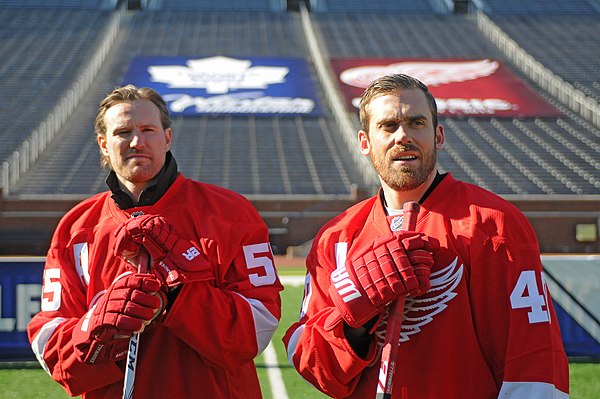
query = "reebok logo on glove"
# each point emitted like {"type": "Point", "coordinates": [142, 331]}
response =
{"type": "Point", "coordinates": [129, 304]}
{"type": "Point", "coordinates": [172, 276]}
{"type": "Point", "coordinates": [191, 253]}
{"type": "Point", "coordinates": [344, 285]}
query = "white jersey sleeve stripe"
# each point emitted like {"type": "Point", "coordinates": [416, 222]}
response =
{"type": "Point", "coordinates": [39, 343]}
{"type": "Point", "coordinates": [265, 323]}
{"type": "Point", "coordinates": [530, 390]}
{"type": "Point", "coordinates": [80, 252]}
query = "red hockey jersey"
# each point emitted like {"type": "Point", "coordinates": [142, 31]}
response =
{"type": "Point", "coordinates": [205, 345]}
{"type": "Point", "coordinates": [486, 328]}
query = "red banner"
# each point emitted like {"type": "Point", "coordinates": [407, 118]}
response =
{"type": "Point", "coordinates": [461, 87]}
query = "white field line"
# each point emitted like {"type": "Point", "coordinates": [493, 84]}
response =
{"type": "Point", "coordinates": [294, 281]}
{"type": "Point", "coordinates": [274, 373]}
{"type": "Point", "coordinates": [273, 370]}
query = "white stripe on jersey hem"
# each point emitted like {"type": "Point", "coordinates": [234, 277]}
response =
{"type": "Point", "coordinates": [265, 323]}
{"type": "Point", "coordinates": [39, 342]}
{"type": "Point", "coordinates": [530, 390]}
{"type": "Point", "coordinates": [291, 348]}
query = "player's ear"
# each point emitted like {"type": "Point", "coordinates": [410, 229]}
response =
{"type": "Point", "coordinates": [168, 137]}
{"type": "Point", "coordinates": [364, 143]}
{"type": "Point", "coordinates": [439, 137]}
{"type": "Point", "coordinates": [102, 144]}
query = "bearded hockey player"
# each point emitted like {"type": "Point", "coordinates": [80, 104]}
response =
{"type": "Point", "coordinates": [478, 320]}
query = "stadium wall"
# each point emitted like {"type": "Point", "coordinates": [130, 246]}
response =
{"type": "Point", "coordinates": [26, 225]}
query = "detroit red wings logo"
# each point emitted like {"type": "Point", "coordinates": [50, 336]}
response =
{"type": "Point", "coordinates": [431, 73]}
{"type": "Point", "coordinates": [420, 311]}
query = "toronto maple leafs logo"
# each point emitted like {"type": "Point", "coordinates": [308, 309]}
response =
{"type": "Point", "coordinates": [218, 75]}
{"type": "Point", "coordinates": [228, 85]}
{"type": "Point", "coordinates": [420, 311]}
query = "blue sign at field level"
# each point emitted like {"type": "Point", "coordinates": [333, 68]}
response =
{"type": "Point", "coordinates": [20, 288]}
{"type": "Point", "coordinates": [574, 295]}
{"type": "Point", "coordinates": [262, 86]}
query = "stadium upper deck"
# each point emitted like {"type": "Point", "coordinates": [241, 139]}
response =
{"type": "Point", "coordinates": [291, 155]}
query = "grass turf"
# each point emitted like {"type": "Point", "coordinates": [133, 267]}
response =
{"type": "Point", "coordinates": [35, 383]}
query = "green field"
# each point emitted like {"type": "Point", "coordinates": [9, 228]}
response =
{"type": "Point", "coordinates": [36, 384]}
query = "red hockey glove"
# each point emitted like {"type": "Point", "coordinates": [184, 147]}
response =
{"type": "Point", "coordinates": [176, 260]}
{"type": "Point", "coordinates": [127, 306]}
{"type": "Point", "coordinates": [376, 275]}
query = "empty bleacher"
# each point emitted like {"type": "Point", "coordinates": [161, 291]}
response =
{"type": "Point", "coordinates": [565, 44]}
{"type": "Point", "coordinates": [42, 52]}
{"type": "Point", "coordinates": [252, 155]}
{"type": "Point", "coordinates": [395, 6]}
{"type": "Point", "coordinates": [475, 149]}
{"type": "Point", "coordinates": [209, 149]}
{"type": "Point", "coordinates": [540, 7]}
{"type": "Point", "coordinates": [45, 47]}
{"type": "Point", "coordinates": [223, 5]}
{"type": "Point", "coordinates": [59, 4]}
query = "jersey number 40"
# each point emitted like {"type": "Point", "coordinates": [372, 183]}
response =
{"type": "Point", "coordinates": [526, 294]}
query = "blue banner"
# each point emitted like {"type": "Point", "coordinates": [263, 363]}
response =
{"type": "Point", "coordinates": [263, 86]}
{"type": "Point", "coordinates": [20, 289]}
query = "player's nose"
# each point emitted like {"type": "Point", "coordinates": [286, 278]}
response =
{"type": "Point", "coordinates": [401, 135]}
{"type": "Point", "coordinates": [137, 139]}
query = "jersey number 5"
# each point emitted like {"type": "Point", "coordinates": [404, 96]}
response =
{"type": "Point", "coordinates": [52, 290]}
{"type": "Point", "coordinates": [526, 294]}
{"type": "Point", "coordinates": [254, 260]}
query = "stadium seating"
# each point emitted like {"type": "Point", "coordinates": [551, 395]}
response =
{"type": "Point", "coordinates": [183, 27]}
{"type": "Point", "coordinates": [53, 4]}
{"type": "Point", "coordinates": [566, 44]}
{"type": "Point", "coordinates": [505, 170]}
{"type": "Point", "coordinates": [292, 155]}
{"type": "Point", "coordinates": [42, 51]}
{"type": "Point", "coordinates": [286, 155]}
{"type": "Point", "coordinates": [396, 6]}
{"type": "Point", "coordinates": [540, 7]}
{"type": "Point", "coordinates": [47, 44]}
{"type": "Point", "coordinates": [224, 5]}
{"type": "Point", "coordinates": [560, 34]}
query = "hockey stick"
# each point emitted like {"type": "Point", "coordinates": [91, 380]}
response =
{"type": "Point", "coordinates": [132, 353]}
{"type": "Point", "coordinates": [396, 313]}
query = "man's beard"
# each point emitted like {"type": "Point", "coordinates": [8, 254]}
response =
{"type": "Point", "coordinates": [404, 178]}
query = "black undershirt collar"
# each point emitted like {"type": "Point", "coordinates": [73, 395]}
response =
{"type": "Point", "coordinates": [151, 194]}
{"type": "Point", "coordinates": [438, 178]}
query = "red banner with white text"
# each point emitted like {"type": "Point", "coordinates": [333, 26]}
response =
{"type": "Point", "coordinates": [462, 87]}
